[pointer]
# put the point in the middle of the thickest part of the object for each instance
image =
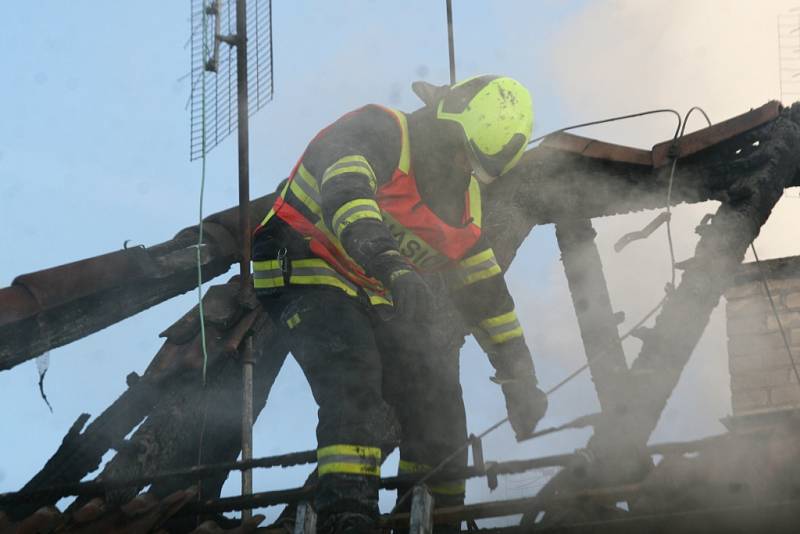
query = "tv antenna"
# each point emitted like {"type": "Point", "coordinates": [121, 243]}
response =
{"type": "Point", "coordinates": [231, 51]}
{"type": "Point", "coordinates": [789, 53]}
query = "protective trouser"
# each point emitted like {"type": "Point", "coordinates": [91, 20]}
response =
{"type": "Point", "coordinates": [366, 377]}
{"type": "Point", "coordinates": [421, 382]}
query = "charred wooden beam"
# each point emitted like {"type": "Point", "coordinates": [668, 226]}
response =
{"type": "Point", "coordinates": [559, 180]}
{"type": "Point", "coordinates": [99, 487]}
{"type": "Point", "coordinates": [596, 319]}
{"type": "Point", "coordinates": [50, 308]}
{"type": "Point", "coordinates": [762, 171]}
{"type": "Point", "coordinates": [94, 487]}
{"type": "Point", "coordinates": [178, 362]}
{"type": "Point", "coordinates": [80, 453]}
{"type": "Point", "coordinates": [193, 425]}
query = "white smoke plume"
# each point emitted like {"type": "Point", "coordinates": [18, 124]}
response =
{"type": "Point", "coordinates": [624, 56]}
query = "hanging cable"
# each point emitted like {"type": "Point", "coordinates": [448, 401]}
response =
{"type": "Point", "coordinates": [669, 190]}
{"type": "Point", "coordinates": [202, 194]}
{"type": "Point", "coordinates": [201, 314]}
{"type": "Point", "coordinates": [613, 119]}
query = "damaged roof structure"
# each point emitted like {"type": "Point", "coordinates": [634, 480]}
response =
{"type": "Point", "coordinates": [745, 163]}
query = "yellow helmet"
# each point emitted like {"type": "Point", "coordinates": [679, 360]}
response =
{"type": "Point", "coordinates": [496, 114]}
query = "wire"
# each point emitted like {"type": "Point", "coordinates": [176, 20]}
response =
{"type": "Point", "coordinates": [613, 119]}
{"type": "Point", "coordinates": [775, 311]}
{"type": "Point", "coordinates": [200, 311]}
{"type": "Point", "coordinates": [669, 190]}
{"type": "Point", "coordinates": [202, 194]}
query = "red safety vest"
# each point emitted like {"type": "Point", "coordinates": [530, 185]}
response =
{"type": "Point", "coordinates": [423, 238]}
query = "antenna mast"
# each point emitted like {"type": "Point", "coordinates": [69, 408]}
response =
{"type": "Point", "coordinates": [789, 53]}
{"type": "Point", "coordinates": [213, 82]}
{"type": "Point", "coordinates": [244, 237]}
{"type": "Point", "coordinates": [450, 44]}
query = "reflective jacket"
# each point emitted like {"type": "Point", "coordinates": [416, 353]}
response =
{"type": "Point", "coordinates": [372, 190]}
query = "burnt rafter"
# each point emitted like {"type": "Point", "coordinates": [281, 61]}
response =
{"type": "Point", "coordinates": [171, 400]}
{"type": "Point", "coordinates": [763, 171]}
{"type": "Point", "coordinates": [596, 318]}
{"type": "Point", "coordinates": [51, 308]}
{"type": "Point", "coordinates": [764, 163]}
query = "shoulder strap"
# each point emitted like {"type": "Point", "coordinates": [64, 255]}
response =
{"type": "Point", "coordinates": [404, 164]}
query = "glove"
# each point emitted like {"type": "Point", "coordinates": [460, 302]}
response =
{"type": "Point", "coordinates": [525, 402]}
{"type": "Point", "coordinates": [411, 296]}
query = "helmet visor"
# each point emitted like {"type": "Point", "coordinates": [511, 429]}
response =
{"type": "Point", "coordinates": [491, 167]}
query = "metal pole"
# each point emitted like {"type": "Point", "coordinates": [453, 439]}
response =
{"type": "Point", "coordinates": [450, 44]}
{"type": "Point", "coordinates": [244, 237]}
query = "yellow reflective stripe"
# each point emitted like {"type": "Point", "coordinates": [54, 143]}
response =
{"type": "Point", "coordinates": [449, 488]}
{"type": "Point", "coordinates": [478, 267]}
{"type": "Point", "coordinates": [271, 211]}
{"type": "Point", "coordinates": [349, 459]}
{"type": "Point", "coordinates": [303, 187]}
{"type": "Point", "coordinates": [267, 274]}
{"type": "Point", "coordinates": [475, 207]}
{"type": "Point", "coordinates": [445, 488]}
{"type": "Point", "coordinates": [355, 164]}
{"type": "Point", "coordinates": [323, 280]}
{"type": "Point", "coordinates": [405, 152]}
{"type": "Point", "coordinates": [315, 207]}
{"type": "Point", "coordinates": [266, 265]}
{"type": "Point", "coordinates": [408, 467]}
{"type": "Point", "coordinates": [308, 178]}
{"type": "Point", "coordinates": [348, 469]}
{"type": "Point", "coordinates": [499, 320]}
{"type": "Point", "coordinates": [376, 299]}
{"type": "Point", "coordinates": [351, 450]}
{"type": "Point", "coordinates": [310, 271]}
{"type": "Point", "coordinates": [293, 321]}
{"type": "Point", "coordinates": [314, 271]}
{"type": "Point", "coordinates": [350, 212]}
{"type": "Point", "coordinates": [489, 272]}
{"type": "Point", "coordinates": [502, 328]}
{"type": "Point", "coordinates": [505, 336]}
{"type": "Point", "coordinates": [477, 258]}
{"type": "Point", "coordinates": [269, 215]}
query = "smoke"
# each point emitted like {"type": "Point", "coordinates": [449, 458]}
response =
{"type": "Point", "coordinates": [624, 56]}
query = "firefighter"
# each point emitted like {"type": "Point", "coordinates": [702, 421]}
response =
{"type": "Point", "coordinates": [381, 213]}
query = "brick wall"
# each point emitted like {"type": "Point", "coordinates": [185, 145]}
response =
{"type": "Point", "coordinates": [761, 373]}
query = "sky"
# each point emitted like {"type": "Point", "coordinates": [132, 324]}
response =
{"type": "Point", "coordinates": [94, 151]}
